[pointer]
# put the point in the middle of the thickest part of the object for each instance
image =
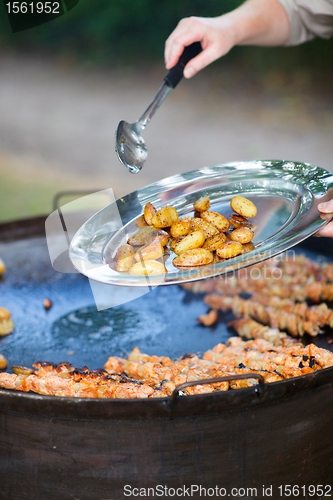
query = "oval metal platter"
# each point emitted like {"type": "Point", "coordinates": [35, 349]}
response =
{"type": "Point", "coordinates": [286, 194]}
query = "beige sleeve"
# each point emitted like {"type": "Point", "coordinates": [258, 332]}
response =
{"type": "Point", "coordinates": [309, 19]}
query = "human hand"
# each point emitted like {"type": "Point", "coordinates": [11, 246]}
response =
{"type": "Point", "coordinates": [216, 36]}
{"type": "Point", "coordinates": [326, 208]}
{"type": "Point", "coordinates": [255, 22]}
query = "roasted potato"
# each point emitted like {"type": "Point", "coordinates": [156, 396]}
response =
{"type": "Point", "coordinates": [193, 257]}
{"type": "Point", "coordinates": [202, 204]}
{"type": "Point", "coordinates": [141, 222]}
{"type": "Point", "coordinates": [200, 224]}
{"type": "Point", "coordinates": [124, 258]}
{"type": "Point", "coordinates": [213, 242]}
{"type": "Point", "coordinates": [6, 327]}
{"type": "Point", "coordinates": [198, 240]}
{"type": "Point", "coordinates": [193, 240]}
{"type": "Point", "coordinates": [2, 267]}
{"type": "Point", "coordinates": [148, 268]}
{"type": "Point", "coordinates": [158, 235]}
{"type": "Point", "coordinates": [240, 221]}
{"type": "Point", "coordinates": [149, 213]}
{"type": "Point", "coordinates": [243, 206]}
{"type": "Point", "coordinates": [4, 313]}
{"type": "Point", "coordinates": [180, 228]}
{"type": "Point", "coordinates": [248, 247]}
{"type": "Point", "coordinates": [47, 303]}
{"type": "Point", "coordinates": [140, 237]}
{"type": "Point", "coordinates": [165, 256]}
{"type": "Point", "coordinates": [242, 235]}
{"type": "Point", "coordinates": [217, 259]}
{"type": "Point", "coordinates": [22, 370]}
{"type": "Point", "coordinates": [165, 217]}
{"type": "Point", "coordinates": [152, 251]}
{"type": "Point", "coordinates": [3, 362]}
{"type": "Point", "coordinates": [217, 220]}
{"type": "Point", "coordinates": [6, 324]}
{"type": "Point", "coordinates": [229, 249]}
{"type": "Point", "coordinates": [174, 242]}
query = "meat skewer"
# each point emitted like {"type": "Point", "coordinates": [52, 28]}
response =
{"type": "Point", "coordinates": [320, 314]}
{"type": "Point", "coordinates": [275, 317]}
{"type": "Point", "coordinates": [272, 354]}
{"type": "Point", "coordinates": [296, 278]}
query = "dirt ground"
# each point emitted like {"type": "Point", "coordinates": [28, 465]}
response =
{"type": "Point", "coordinates": [57, 125]}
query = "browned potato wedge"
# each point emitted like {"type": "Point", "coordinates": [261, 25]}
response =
{"type": "Point", "coordinates": [3, 362]}
{"type": "Point", "coordinates": [160, 236]}
{"type": "Point", "coordinates": [213, 242]}
{"type": "Point", "coordinates": [141, 222]}
{"type": "Point", "coordinates": [165, 217]}
{"type": "Point", "coordinates": [23, 370]}
{"type": "Point", "coordinates": [180, 228]}
{"type": "Point", "coordinates": [229, 249]}
{"type": "Point", "coordinates": [193, 240]}
{"type": "Point", "coordinates": [174, 242]}
{"type": "Point", "coordinates": [243, 206]}
{"type": "Point", "coordinates": [248, 247]}
{"type": "Point", "coordinates": [217, 220]}
{"type": "Point", "coordinates": [217, 259]}
{"type": "Point", "coordinates": [152, 251]}
{"type": "Point", "coordinates": [165, 256]}
{"type": "Point", "coordinates": [148, 268]}
{"type": "Point", "coordinates": [242, 235]}
{"type": "Point", "coordinates": [6, 324]}
{"type": "Point", "coordinates": [124, 258]}
{"type": "Point", "coordinates": [2, 267]}
{"type": "Point", "coordinates": [140, 237]}
{"type": "Point", "coordinates": [200, 224]}
{"type": "Point", "coordinates": [202, 204]}
{"type": "Point", "coordinates": [149, 213]}
{"type": "Point", "coordinates": [240, 221]}
{"type": "Point", "coordinates": [4, 313]}
{"type": "Point", "coordinates": [194, 257]}
{"type": "Point", "coordinates": [6, 327]}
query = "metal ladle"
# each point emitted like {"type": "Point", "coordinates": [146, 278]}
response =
{"type": "Point", "coordinates": [131, 149]}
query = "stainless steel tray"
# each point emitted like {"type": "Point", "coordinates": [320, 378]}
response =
{"type": "Point", "coordinates": [286, 194]}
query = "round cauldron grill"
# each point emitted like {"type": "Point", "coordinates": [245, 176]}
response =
{"type": "Point", "coordinates": [88, 449]}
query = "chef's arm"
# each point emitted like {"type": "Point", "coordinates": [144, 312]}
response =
{"type": "Point", "coordinates": [255, 22]}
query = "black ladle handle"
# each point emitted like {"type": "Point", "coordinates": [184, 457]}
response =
{"type": "Point", "coordinates": [175, 74]}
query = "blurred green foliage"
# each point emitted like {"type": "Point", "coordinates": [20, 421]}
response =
{"type": "Point", "coordinates": [114, 32]}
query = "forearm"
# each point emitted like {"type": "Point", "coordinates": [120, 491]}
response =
{"type": "Point", "coordinates": [260, 22]}
{"type": "Point", "coordinates": [256, 22]}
